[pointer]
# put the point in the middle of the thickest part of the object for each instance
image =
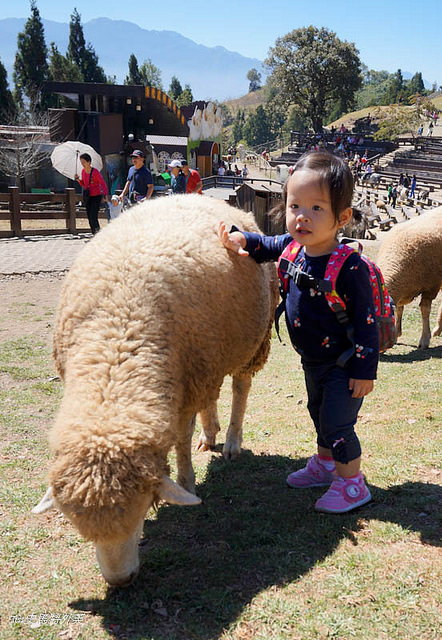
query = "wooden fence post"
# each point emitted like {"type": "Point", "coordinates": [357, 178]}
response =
{"type": "Point", "coordinates": [70, 210]}
{"type": "Point", "coordinates": [14, 210]}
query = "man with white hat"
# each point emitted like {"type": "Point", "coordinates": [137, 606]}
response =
{"type": "Point", "coordinates": [178, 179]}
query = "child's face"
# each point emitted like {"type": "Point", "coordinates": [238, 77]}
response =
{"type": "Point", "coordinates": [309, 216]}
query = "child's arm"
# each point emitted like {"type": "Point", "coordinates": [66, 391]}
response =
{"type": "Point", "coordinates": [235, 241]}
{"type": "Point", "coordinates": [360, 388]}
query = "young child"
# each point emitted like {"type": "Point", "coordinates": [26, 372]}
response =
{"type": "Point", "coordinates": [317, 199]}
{"type": "Point", "coordinates": [115, 207]}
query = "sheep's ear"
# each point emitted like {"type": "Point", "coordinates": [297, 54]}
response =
{"type": "Point", "coordinates": [46, 503]}
{"type": "Point", "coordinates": [171, 492]}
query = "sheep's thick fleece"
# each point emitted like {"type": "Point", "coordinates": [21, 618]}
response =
{"type": "Point", "coordinates": [152, 316]}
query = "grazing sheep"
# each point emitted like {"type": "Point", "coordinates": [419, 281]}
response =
{"type": "Point", "coordinates": [153, 314]}
{"type": "Point", "coordinates": [410, 257]}
{"type": "Point", "coordinates": [380, 204]}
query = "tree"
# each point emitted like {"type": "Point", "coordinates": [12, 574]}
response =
{"type": "Point", "coordinates": [254, 78]}
{"type": "Point", "coordinates": [313, 68]}
{"type": "Point", "coordinates": [175, 89]}
{"type": "Point", "coordinates": [82, 55]}
{"type": "Point", "coordinates": [61, 69]}
{"type": "Point", "coordinates": [256, 129]}
{"type": "Point", "coordinates": [150, 75]}
{"type": "Point", "coordinates": [30, 66]}
{"type": "Point", "coordinates": [416, 84]}
{"type": "Point", "coordinates": [134, 76]}
{"type": "Point", "coordinates": [395, 91]}
{"type": "Point", "coordinates": [238, 125]}
{"type": "Point", "coordinates": [185, 98]}
{"type": "Point", "coordinates": [7, 104]}
{"type": "Point", "coordinates": [26, 151]}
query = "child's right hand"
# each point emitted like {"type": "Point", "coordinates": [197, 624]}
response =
{"type": "Point", "coordinates": [234, 241]}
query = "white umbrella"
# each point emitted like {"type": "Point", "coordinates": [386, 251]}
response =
{"type": "Point", "coordinates": [65, 158]}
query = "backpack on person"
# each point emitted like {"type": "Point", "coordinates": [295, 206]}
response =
{"type": "Point", "coordinates": [382, 301]}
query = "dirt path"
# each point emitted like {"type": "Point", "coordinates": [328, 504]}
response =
{"type": "Point", "coordinates": [28, 305]}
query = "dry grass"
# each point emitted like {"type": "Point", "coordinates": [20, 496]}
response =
{"type": "Point", "coordinates": [254, 561]}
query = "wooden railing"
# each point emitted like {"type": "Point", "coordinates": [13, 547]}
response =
{"type": "Point", "coordinates": [16, 207]}
{"type": "Point", "coordinates": [231, 182]}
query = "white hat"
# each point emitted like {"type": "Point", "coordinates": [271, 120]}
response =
{"type": "Point", "coordinates": [175, 163]}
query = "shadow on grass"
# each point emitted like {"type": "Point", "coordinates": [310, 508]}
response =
{"type": "Point", "coordinates": [201, 566]}
{"type": "Point", "coordinates": [416, 355]}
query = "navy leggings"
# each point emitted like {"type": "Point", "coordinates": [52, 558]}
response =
{"type": "Point", "coordinates": [333, 410]}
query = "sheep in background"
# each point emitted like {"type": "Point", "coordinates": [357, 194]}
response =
{"type": "Point", "coordinates": [410, 258]}
{"type": "Point", "coordinates": [152, 316]}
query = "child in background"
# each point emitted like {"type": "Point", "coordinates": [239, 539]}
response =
{"type": "Point", "coordinates": [317, 200]}
{"type": "Point", "coordinates": [115, 207]}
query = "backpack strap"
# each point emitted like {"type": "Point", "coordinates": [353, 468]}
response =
{"type": "Point", "coordinates": [335, 302]}
{"type": "Point", "coordinates": [285, 270]}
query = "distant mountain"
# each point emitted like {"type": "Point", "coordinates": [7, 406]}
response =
{"type": "Point", "coordinates": [212, 72]}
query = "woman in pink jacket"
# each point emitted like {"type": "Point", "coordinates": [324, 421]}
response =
{"type": "Point", "coordinates": [94, 188]}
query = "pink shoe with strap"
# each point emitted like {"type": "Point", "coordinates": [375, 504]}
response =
{"type": "Point", "coordinates": [344, 495]}
{"type": "Point", "coordinates": [314, 474]}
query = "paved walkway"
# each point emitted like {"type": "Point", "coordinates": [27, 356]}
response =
{"type": "Point", "coordinates": [39, 254]}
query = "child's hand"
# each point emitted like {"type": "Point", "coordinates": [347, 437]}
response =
{"type": "Point", "coordinates": [234, 241]}
{"type": "Point", "coordinates": [360, 388]}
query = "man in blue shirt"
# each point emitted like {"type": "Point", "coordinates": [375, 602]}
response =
{"type": "Point", "coordinates": [139, 179]}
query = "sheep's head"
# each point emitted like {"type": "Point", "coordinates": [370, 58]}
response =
{"type": "Point", "coordinates": [106, 497]}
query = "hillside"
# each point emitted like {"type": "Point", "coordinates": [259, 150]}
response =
{"type": "Point", "coordinates": [212, 72]}
{"type": "Point", "coordinates": [248, 102]}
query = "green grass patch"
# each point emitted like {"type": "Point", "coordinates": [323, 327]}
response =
{"type": "Point", "coordinates": [254, 561]}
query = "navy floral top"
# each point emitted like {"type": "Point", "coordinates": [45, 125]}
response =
{"type": "Point", "coordinates": [313, 327]}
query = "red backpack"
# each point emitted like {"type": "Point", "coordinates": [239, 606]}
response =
{"type": "Point", "coordinates": [382, 301]}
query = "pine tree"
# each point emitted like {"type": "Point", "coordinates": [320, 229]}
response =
{"type": "Point", "coordinates": [7, 105]}
{"type": "Point", "coordinates": [82, 55]}
{"type": "Point", "coordinates": [133, 76]}
{"type": "Point", "coordinates": [416, 84]}
{"type": "Point", "coordinates": [150, 74]}
{"type": "Point", "coordinates": [30, 66]}
{"type": "Point", "coordinates": [175, 89]}
{"type": "Point", "coordinates": [61, 69]}
{"type": "Point", "coordinates": [185, 98]}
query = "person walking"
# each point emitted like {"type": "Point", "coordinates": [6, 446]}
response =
{"type": "Point", "coordinates": [139, 184]}
{"type": "Point", "coordinates": [194, 183]}
{"type": "Point", "coordinates": [317, 201]}
{"type": "Point", "coordinates": [178, 179]}
{"type": "Point", "coordinates": [94, 188]}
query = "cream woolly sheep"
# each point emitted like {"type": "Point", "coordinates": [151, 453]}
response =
{"type": "Point", "coordinates": [410, 257]}
{"type": "Point", "coordinates": [153, 314]}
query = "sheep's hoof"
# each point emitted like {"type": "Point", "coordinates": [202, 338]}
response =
{"type": "Point", "coordinates": [231, 450]}
{"type": "Point", "coordinates": [204, 444]}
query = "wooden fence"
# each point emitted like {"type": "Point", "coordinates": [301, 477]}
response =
{"type": "Point", "coordinates": [16, 207]}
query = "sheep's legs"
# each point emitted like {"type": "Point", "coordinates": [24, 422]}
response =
{"type": "Point", "coordinates": [425, 305]}
{"type": "Point", "coordinates": [399, 313]}
{"type": "Point", "coordinates": [210, 427]}
{"type": "Point", "coordinates": [437, 331]}
{"type": "Point", "coordinates": [240, 392]}
{"type": "Point", "coordinates": [183, 446]}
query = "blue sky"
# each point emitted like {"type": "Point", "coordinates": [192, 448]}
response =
{"type": "Point", "coordinates": [389, 34]}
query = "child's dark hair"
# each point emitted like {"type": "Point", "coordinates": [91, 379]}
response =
{"type": "Point", "coordinates": [86, 156]}
{"type": "Point", "coordinates": [333, 173]}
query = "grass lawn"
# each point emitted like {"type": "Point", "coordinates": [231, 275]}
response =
{"type": "Point", "coordinates": [254, 561]}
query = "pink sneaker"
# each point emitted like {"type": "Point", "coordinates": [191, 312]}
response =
{"type": "Point", "coordinates": [344, 495]}
{"type": "Point", "coordinates": [314, 474]}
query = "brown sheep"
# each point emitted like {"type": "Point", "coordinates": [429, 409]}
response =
{"type": "Point", "coordinates": [410, 258]}
{"type": "Point", "coordinates": [153, 314]}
